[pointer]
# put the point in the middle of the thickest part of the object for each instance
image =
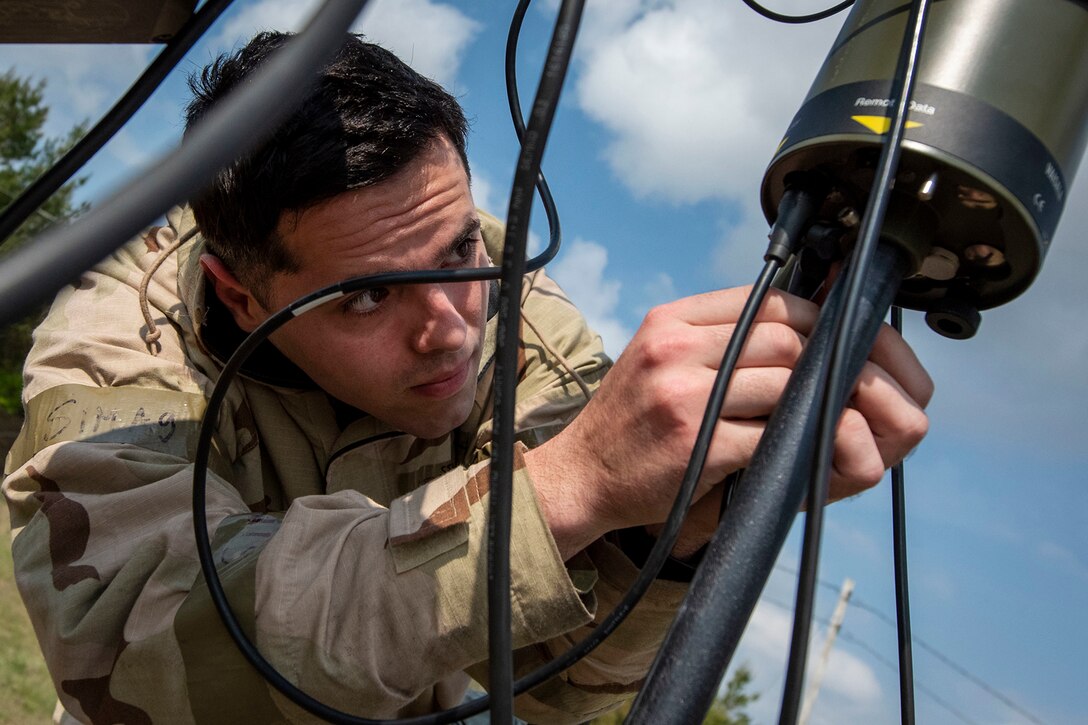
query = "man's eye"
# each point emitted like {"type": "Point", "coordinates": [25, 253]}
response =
{"type": "Point", "coordinates": [366, 301]}
{"type": "Point", "coordinates": [463, 251]}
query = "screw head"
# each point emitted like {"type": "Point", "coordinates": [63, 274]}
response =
{"type": "Point", "coordinates": [983, 255]}
{"type": "Point", "coordinates": [973, 198]}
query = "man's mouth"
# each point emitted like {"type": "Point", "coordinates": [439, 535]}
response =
{"type": "Point", "coordinates": [445, 383]}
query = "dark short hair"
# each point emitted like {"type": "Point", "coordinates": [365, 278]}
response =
{"type": "Point", "coordinates": [366, 116]}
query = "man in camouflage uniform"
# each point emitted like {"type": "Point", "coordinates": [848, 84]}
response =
{"type": "Point", "coordinates": [348, 490]}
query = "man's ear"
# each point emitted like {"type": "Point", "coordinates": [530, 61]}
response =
{"type": "Point", "coordinates": [246, 309]}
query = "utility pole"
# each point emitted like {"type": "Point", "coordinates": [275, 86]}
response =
{"type": "Point", "coordinates": [817, 675]}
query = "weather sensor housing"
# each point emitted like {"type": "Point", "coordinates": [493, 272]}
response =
{"type": "Point", "coordinates": [995, 133]}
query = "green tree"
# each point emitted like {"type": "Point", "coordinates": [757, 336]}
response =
{"type": "Point", "coordinates": [728, 708]}
{"type": "Point", "coordinates": [25, 153]}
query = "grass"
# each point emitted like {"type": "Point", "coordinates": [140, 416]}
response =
{"type": "Point", "coordinates": [28, 692]}
{"type": "Point", "coordinates": [11, 385]}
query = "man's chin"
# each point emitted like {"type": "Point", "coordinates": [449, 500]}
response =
{"type": "Point", "coordinates": [429, 425]}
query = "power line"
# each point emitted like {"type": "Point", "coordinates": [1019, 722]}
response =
{"type": "Point", "coordinates": [955, 666]}
{"type": "Point", "coordinates": [858, 642]}
{"type": "Point", "coordinates": [847, 637]}
{"type": "Point", "coordinates": [959, 669]}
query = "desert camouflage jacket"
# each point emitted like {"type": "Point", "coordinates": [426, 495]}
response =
{"type": "Point", "coordinates": [354, 554]}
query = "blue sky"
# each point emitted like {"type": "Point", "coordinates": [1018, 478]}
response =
{"type": "Point", "coordinates": [671, 112]}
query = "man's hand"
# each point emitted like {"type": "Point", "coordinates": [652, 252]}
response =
{"type": "Point", "coordinates": [620, 462]}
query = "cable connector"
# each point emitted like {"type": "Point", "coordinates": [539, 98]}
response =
{"type": "Point", "coordinates": [796, 211]}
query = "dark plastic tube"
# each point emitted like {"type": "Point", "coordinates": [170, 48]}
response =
{"type": "Point", "coordinates": [838, 379]}
{"type": "Point", "coordinates": [688, 668]}
{"type": "Point", "coordinates": [66, 166]}
{"type": "Point", "coordinates": [32, 274]}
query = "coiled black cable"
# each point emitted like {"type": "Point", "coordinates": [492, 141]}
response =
{"type": "Point", "coordinates": [902, 90]}
{"type": "Point", "coordinates": [797, 19]}
{"type": "Point", "coordinates": [514, 101]}
{"type": "Point", "coordinates": [73, 160]}
{"type": "Point", "coordinates": [655, 560]}
{"type": "Point", "coordinates": [513, 269]}
{"type": "Point", "coordinates": [499, 521]}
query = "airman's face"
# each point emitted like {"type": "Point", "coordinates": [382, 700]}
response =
{"type": "Point", "coordinates": [406, 354]}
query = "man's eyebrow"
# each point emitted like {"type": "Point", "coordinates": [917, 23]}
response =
{"type": "Point", "coordinates": [468, 231]}
{"type": "Point", "coordinates": [471, 228]}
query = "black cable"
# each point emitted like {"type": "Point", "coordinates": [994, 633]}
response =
{"type": "Point", "coordinates": [517, 233]}
{"type": "Point", "coordinates": [200, 472]}
{"type": "Point", "coordinates": [32, 274]}
{"type": "Point", "coordinates": [795, 211]}
{"type": "Point", "coordinates": [73, 160]}
{"type": "Point", "coordinates": [555, 237]}
{"type": "Point", "coordinates": [845, 636]}
{"type": "Point", "coordinates": [797, 19]}
{"type": "Point", "coordinates": [670, 529]}
{"type": "Point", "coordinates": [656, 558]}
{"type": "Point", "coordinates": [902, 594]}
{"type": "Point", "coordinates": [703, 638]}
{"type": "Point", "coordinates": [500, 508]}
{"type": "Point", "coordinates": [654, 562]}
{"type": "Point", "coordinates": [902, 90]}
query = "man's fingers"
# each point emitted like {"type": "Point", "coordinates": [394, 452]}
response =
{"type": "Point", "coordinates": [754, 392]}
{"type": "Point", "coordinates": [769, 344]}
{"type": "Point", "coordinates": [857, 463]}
{"type": "Point", "coordinates": [731, 448]}
{"type": "Point", "coordinates": [892, 353]}
{"type": "Point", "coordinates": [724, 307]}
{"type": "Point", "coordinates": [894, 417]}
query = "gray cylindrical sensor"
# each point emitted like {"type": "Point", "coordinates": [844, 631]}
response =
{"type": "Point", "coordinates": [996, 130]}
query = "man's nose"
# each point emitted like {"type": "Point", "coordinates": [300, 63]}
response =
{"type": "Point", "coordinates": [439, 326]}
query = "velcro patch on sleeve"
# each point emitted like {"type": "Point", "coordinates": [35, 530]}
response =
{"type": "Point", "coordinates": [161, 420]}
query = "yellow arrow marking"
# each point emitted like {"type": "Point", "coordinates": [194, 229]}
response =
{"type": "Point", "coordinates": [880, 124]}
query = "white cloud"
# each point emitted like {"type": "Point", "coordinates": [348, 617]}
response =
{"type": "Point", "coordinates": [483, 192]}
{"type": "Point", "coordinates": [849, 676]}
{"type": "Point", "coordinates": [659, 289]}
{"type": "Point", "coordinates": [675, 85]}
{"type": "Point", "coordinates": [849, 684]}
{"type": "Point", "coordinates": [429, 36]}
{"type": "Point", "coordinates": [580, 271]}
{"type": "Point", "coordinates": [697, 95]}
{"type": "Point", "coordinates": [83, 81]}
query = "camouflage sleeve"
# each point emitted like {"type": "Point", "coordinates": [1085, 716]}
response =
{"type": "Point", "coordinates": [372, 607]}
